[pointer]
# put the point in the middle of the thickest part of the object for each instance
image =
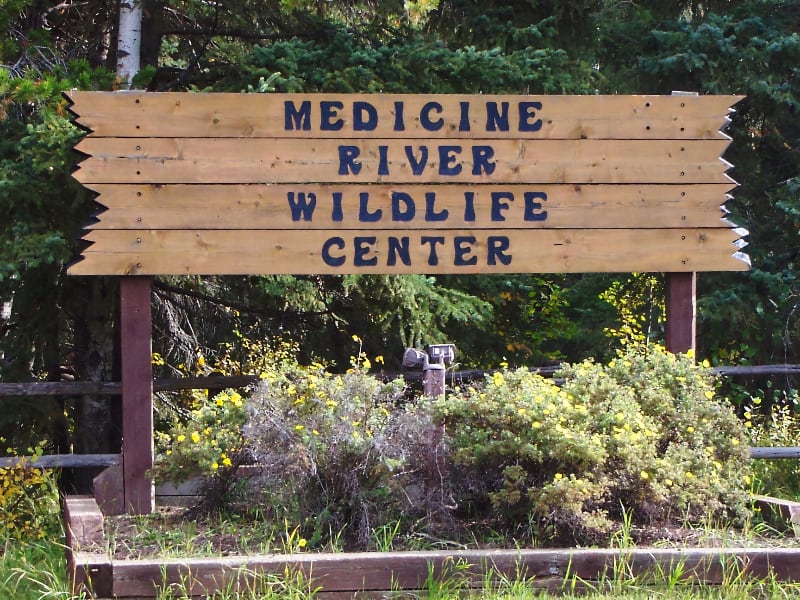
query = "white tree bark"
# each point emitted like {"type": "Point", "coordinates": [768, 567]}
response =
{"type": "Point", "coordinates": [129, 41]}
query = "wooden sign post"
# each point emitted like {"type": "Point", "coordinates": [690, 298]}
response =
{"type": "Point", "coordinates": [340, 184]}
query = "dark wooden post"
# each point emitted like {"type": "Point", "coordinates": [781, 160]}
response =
{"type": "Point", "coordinates": [136, 332]}
{"type": "Point", "coordinates": [681, 309]}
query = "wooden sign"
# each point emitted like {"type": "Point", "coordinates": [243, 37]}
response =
{"type": "Point", "coordinates": [340, 184]}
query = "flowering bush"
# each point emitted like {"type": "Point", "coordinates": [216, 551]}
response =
{"type": "Point", "coordinates": [644, 434]}
{"type": "Point", "coordinates": [29, 507]}
{"type": "Point", "coordinates": [209, 439]}
{"type": "Point", "coordinates": [201, 435]}
{"type": "Point", "coordinates": [339, 454]}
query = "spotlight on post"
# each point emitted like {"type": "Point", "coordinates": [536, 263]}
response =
{"type": "Point", "coordinates": [432, 364]}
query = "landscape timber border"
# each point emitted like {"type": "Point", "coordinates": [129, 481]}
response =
{"type": "Point", "coordinates": [374, 574]}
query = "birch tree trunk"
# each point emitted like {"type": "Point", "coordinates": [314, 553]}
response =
{"type": "Point", "coordinates": [129, 41]}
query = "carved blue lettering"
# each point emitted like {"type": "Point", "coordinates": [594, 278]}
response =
{"type": "Point", "coordinates": [398, 247]}
{"type": "Point", "coordinates": [482, 160]}
{"type": "Point", "coordinates": [496, 120]}
{"type": "Point", "coordinates": [403, 208]}
{"type": "Point", "coordinates": [433, 258]}
{"type": "Point", "coordinates": [417, 166]}
{"type": "Point", "coordinates": [383, 160]}
{"type": "Point", "coordinates": [327, 257]}
{"type": "Point", "coordinates": [425, 116]}
{"type": "Point", "coordinates": [463, 124]}
{"type": "Point", "coordinates": [365, 116]}
{"type": "Point", "coordinates": [498, 206]}
{"type": "Point", "coordinates": [399, 124]}
{"type": "Point", "coordinates": [463, 248]}
{"type": "Point", "coordinates": [303, 206]}
{"type": "Point", "coordinates": [430, 209]}
{"type": "Point", "coordinates": [497, 246]}
{"type": "Point", "coordinates": [363, 246]}
{"type": "Point", "coordinates": [295, 118]}
{"type": "Point", "coordinates": [347, 160]}
{"type": "Point", "coordinates": [533, 209]}
{"type": "Point", "coordinates": [527, 116]}
{"type": "Point", "coordinates": [328, 116]}
{"type": "Point", "coordinates": [469, 206]}
{"type": "Point", "coordinates": [363, 210]}
{"type": "Point", "coordinates": [337, 214]}
{"type": "Point", "coordinates": [448, 155]}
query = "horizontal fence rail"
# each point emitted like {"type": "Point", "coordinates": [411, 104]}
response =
{"type": "Point", "coordinates": [221, 382]}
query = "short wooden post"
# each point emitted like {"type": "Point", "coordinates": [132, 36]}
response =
{"type": "Point", "coordinates": [681, 311]}
{"type": "Point", "coordinates": [136, 333]}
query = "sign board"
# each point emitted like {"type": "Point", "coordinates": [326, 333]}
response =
{"type": "Point", "coordinates": [341, 184]}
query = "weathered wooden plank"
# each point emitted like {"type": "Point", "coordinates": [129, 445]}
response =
{"type": "Point", "coordinates": [114, 388]}
{"type": "Point", "coordinates": [137, 393]}
{"type": "Point", "coordinates": [437, 251]}
{"type": "Point", "coordinates": [139, 114]}
{"type": "Point", "coordinates": [266, 160]}
{"type": "Point", "coordinates": [83, 523]}
{"type": "Point", "coordinates": [282, 206]}
{"type": "Point", "coordinates": [361, 571]}
{"type": "Point", "coordinates": [90, 574]}
{"type": "Point", "coordinates": [49, 461]}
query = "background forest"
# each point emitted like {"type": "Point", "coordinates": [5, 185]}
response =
{"type": "Point", "coordinates": [58, 327]}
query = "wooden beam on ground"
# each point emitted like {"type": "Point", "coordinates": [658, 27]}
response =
{"type": "Point", "coordinates": [137, 393]}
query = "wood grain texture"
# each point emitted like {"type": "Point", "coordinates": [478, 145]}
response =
{"type": "Point", "coordinates": [137, 393]}
{"type": "Point", "coordinates": [265, 160]}
{"type": "Point", "coordinates": [384, 571]}
{"type": "Point", "coordinates": [139, 114]}
{"type": "Point", "coordinates": [257, 206]}
{"type": "Point", "coordinates": [225, 183]}
{"type": "Point", "coordinates": [530, 251]}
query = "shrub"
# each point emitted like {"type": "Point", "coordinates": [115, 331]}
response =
{"type": "Point", "coordinates": [201, 434]}
{"type": "Point", "coordinates": [29, 505]}
{"type": "Point", "coordinates": [209, 440]}
{"type": "Point", "coordinates": [644, 434]}
{"type": "Point", "coordinates": [776, 427]}
{"type": "Point", "coordinates": [339, 455]}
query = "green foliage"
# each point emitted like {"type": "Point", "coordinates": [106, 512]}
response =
{"type": "Point", "coordinates": [639, 302]}
{"type": "Point", "coordinates": [747, 47]}
{"type": "Point", "coordinates": [29, 500]}
{"type": "Point", "coordinates": [208, 440]}
{"type": "Point", "coordinates": [346, 62]}
{"type": "Point", "coordinates": [415, 310]}
{"type": "Point", "coordinates": [529, 322]}
{"type": "Point", "coordinates": [776, 426]}
{"type": "Point", "coordinates": [199, 434]}
{"type": "Point", "coordinates": [644, 433]}
{"type": "Point", "coordinates": [44, 210]}
{"type": "Point", "coordinates": [337, 456]}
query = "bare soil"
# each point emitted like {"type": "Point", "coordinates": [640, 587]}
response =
{"type": "Point", "coordinates": [174, 531]}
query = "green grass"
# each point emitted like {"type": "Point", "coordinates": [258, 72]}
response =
{"type": "Point", "coordinates": [33, 570]}
{"type": "Point", "coordinates": [37, 571]}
